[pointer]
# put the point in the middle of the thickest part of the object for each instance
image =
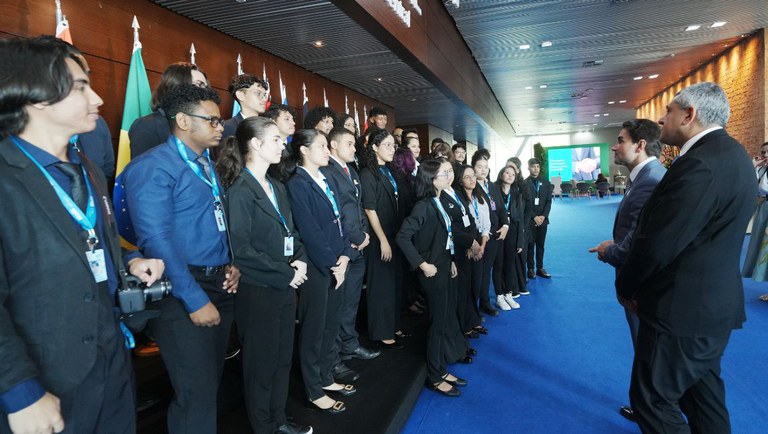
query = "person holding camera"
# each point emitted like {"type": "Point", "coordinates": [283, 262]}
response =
{"type": "Point", "coordinates": [64, 362]}
{"type": "Point", "coordinates": [175, 203]}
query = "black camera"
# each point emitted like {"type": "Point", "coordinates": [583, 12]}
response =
{"type": "Point", "coordinates": [134, 294]}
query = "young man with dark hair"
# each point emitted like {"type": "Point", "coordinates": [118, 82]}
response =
{"type": "Point", "coordinates": [63, 357]}
{"type": "Point", "coordinates": [321, 119]}
{"type": "Point", "coordinates": [285, 118]}
{"type": "Point", "coordinates": [251, 93]}
{"type": "Point", "coordinates": [541, 195]}
{"type": "Point", "coordinates": [377, 117]}
{"type": "Point", "coordinates": [174, 199]}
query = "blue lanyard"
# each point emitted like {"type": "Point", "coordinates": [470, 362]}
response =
{"type": "Point", "coordinates": [274, 202]}
{"type": "Point", "coordinates": [485, 188]}
{"type": "Point", "coordinates": [447, 223]}
{"type": "Point", "coordinates": [195, 168]}
{"type": "Point", "coordinates": [461, 205]}
{"type": "Point", "coordinates": [392, 181]}
{"type": "Point", "coordinates": [329, 194]}
{"type": "Point", "coordinates": [509, 199]}
{"type": "Point", "coordinates": [477, 210]}
{"type": "Point", "coordinates": [86, 221]}
{"type": "Point", "coordinates": [537, 185]}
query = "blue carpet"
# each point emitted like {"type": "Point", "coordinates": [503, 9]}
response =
{"type": "Point", "coordinates": [561, 363]}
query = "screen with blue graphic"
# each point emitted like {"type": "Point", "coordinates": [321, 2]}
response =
{"type": "Point", "coordinates": [579, 163]}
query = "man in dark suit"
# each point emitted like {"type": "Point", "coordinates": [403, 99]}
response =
{"type": "Point", "coordinates": [342, 146]}
{"type": "Point", "coordinates": [541, 196]}
{"type": "Point", "coordinates": [682, 270]}
{"type": "Point", "coordinates": [637, 147]}
{"type": "Point", "coordinates": [63, 358]}
{"type": "Point", "coordinates": [251, 93]}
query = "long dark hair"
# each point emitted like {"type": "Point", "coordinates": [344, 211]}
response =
{"type": "Point", "coordinates": [175, 74]}
{"type": "Point", "coordinates": [478, 192]}
{"type": "Point", "coordinates": [288, 164]}
{"type": "Point", "coordinates": [368, 156]}
{"type": "Point", "coordinates": [425, 178]}
{"type": "Point", "coordinates": [514, 188]}
{"type": "Point", "coordinates": [234, 152]}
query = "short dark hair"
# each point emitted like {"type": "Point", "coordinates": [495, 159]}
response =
{"type": "Point", "coordinates": [316, 115]}
{"type": "Point", "coordinates": [533, 161]}
{"type": "Point", "coordinates": [480, 154]}
{"type": "Point", "coordinates": [273, 112]}
{"type": "Point", "coordinates": [244, 81]}
{"type": "Point", "coordinates": [425, 177]}
{"type": "Point", "coordinates": [175, 74]}
{"type": "Point", "coordinates": [375, 111]}
{"type": "Point", "coordinates": [409, 131]}
{"type": "Point", "coordinates": [32, 71]}
{"type": "Point", "coordinates": [184, 98]}
{"type": "Point", "coordinates": [337, 133]}
{"type": "Point", "coordinates": [645, 129]}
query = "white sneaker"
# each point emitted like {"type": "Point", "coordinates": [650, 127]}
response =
{"type": "Point", "coordinates": [502, 303]}
{"type": "Point", "coordinates": [511, 301]}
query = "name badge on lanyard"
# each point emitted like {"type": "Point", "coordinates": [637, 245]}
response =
{"type": "Point", "coordinates": [536, 201]}
{"type": "Point", "coordinates": [218, 209]}
{"type": "Point", "coordinates": [288, 246]}
{"type": "Point", "coordinates": [465, 220]}
{"type": "Point", "coordinates": [98, 264]}
{"type": "Point", "coordinates": [218, 213]}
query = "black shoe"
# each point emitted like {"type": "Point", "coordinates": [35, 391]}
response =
{"type": "Point", "coordinates": [403, 334]}
{"type": "Point", "coordinates": [347, 390]}
{"type": "Point", "coordinates": [543, 273]}
{"type": "Point", "coordinates": [471, 352]}
{"type": "Point", "coordinates": [628, 413]}
{"type": "Point", "coordinates": [393, 346]}
{"type": "Point", "coordinates": [336, 408]}
{"type": "Point", "coordinates": [482, 330]}
{"type": "Point", "coordinates": [489, 310]}
{"type": "Point", "coordinates": [361, 353]}
{"type": "Point", "coordinates": [452, 392]}
{"type": "Point", "coordinates": [531, 274]}
{"type": "Point", "coordinates": [472, 335]}
{"type": "Point", "coordinates": [466, 360]}
{"type": "Point", "coordinates": [457, 382]}
{"type": "Point", "coordinates": [293, 428]}
{"type": "Point", "coordinates": [523, 291]}
{"type": "Point", "coordinates": [145, 400]}
{"type": "Point", "coordinates": [342, 374]}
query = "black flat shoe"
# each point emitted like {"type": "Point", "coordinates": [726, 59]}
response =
{"type": "Point", "coordinates": [474, 334]}
{"type": "Point", "coordinates": [481, 330]}
{"type": "Point", "coordinates": [466, 360]}
{"type": "Point", "coordinates": [471, 352]}
{"type": "Point", "coordinates": [403, 334]}
{"type": "Point", "coordinates": [452, 392]}
{"type": "Point", "coordinates": [393, 346]}
{"type": "Point", "coordinates": [543, 273]}
{"type": "Point", "coordinates": [489, 310]}
{"type": "Point", "coordinates": [293, 428]}
{"type": "Point", "coordinates": [343, 374]}
{"type": "Point", "coordinates": [628, 413]}
{"type": "Point", "coordinates": [531, 274]}
{"type": "Point", "coordinates": [457, 382]}
{"type": "Point", "coordinates": [336, 408]}
{"type": "Point", "coordinates": [347, 390]}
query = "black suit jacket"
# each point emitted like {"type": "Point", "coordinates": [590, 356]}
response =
{"type": "Point", "coordinates": [463, 236]}
{"type": "Point", "coordinates": [423, 235]}
{"type": "Point", "coordinates": [316, 222]}
{"type": "Point", "coordinates": [49, 301]}
{"type": "Point", "coordinates": [147, 132]}
{"type": "Point", "coordinates": [230, 126]}
{"type": "Point", "coordinates": [683, 264]}
{"type": "Point", "coordinates": [257, 233]}
{"type": "Point", "coordinates": [351, 208]}
{"type": "Point", "coordinates": [544, 194]}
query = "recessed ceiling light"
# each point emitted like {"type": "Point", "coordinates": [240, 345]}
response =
{"type": "Point", "coordinates": [594, 124]}
{"type": "Point", "coordinates": [528, 87]}
{"type": "Point", "coordinates": [671, 54]}
{"type": "Point", "coordinates": [640, 77]}
{"type": "Point", "coordinates": [319, 44]}
{"type": "Point", "coordinates": [692, 28]}
{"type": "Point", "coordinates": [611, 102]}
{"type": "Point", "coordinates": [719, 23]}
{"type": "Point", "coordinates": [605, 114]}
{"type": "Point", "coordinates": [525, 46]}
{"type": "Point", "coordinates": [622, 101]}
{"type": "Point", "coordinates": [652, 76]}
{"type": "Point", "coordinates": [543, 86]}
{"type": "Point", "coordinates": [379, 79]}
{"type": "Point", "coordinates": [541, 108]}
{"type": "Point", "coordinates": [549, 43]}
{"type": "Point", "coordinates": [597, 115]}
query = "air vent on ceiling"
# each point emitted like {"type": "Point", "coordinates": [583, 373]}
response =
{"type": "Point", "coordinates": [592, 63]}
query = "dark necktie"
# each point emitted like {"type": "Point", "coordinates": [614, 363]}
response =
{"type": "Point", "coordinates": [79, 191]}
{"type": "Point", "coordinates": [206, 167]}
{"type": "Point", "coordinates": [346, 170]}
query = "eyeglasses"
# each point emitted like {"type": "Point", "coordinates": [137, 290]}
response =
{"type": "Point", "coordinates": [473, 176]}
{"type": "Point", "coordinates": [215, 121]}
{"type": "Point", "coordinates": [445, 173]}
{"type": "Point", "coordinates": [259, 93]}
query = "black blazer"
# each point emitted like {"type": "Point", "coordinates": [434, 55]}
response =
{"type": "Point", "coordinates": [423, 235]}
{"type": "Point", "coordinates": [147, 132]}
{"type": "Point", "coordinates": [545, 198]}
{"type": "Point", "coordinates": [230, 126]}
{"type": "Point", "coordinates": [316, 222]}
{"type": "Point", "coordinates": [463, 236]}
{"type": "Point", "coordinates": [378, 194]}
{"type": "Point", "coordinates": [353, 217]}
{"type": "Point", "coordinates": [257, 233]}
{"type": "Point", "coordinates": [515, 214]}
{"type": "Point", "coordinates": [49, 301]}
{"type": "Point", "coordinates": [683, 263]}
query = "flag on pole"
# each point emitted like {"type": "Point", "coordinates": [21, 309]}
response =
{"type": "Point", "coordinates": [62, 25]}
{"type": "Point", "coordinates": [365, 119]}
{"type": "Point", "coordinates": [357, 118]}
{"type": "Point", "coordinates": [266, 80]}
{"type": "Point", "coordinates": [346, 104]}
{"type": "Point", "coordinates": [192, 52]}
{"type": "Point", "coordinates": [236, 105]}
{"type": "Point", "coordinates": [305, 103]}
{"type": "Point", "coordinates": [325, 99]}
{"type": "Point", "coordinates": [283, 90]}
{"type": "Point", "coordinates": [137, 104]}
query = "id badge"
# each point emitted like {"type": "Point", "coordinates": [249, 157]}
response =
{"type": "Point", "coordinates": [536, 201]}
{"type": "Point", "coordinates": [493, 205]}
{"type": "Point", "coordinates": [218, 213]}
{"type": "Point", "coordinates": [288, 246]}
{"type": "Point", "coordinates": [465, 219]}
{"type": "Point", "coordinates": [98, 264]}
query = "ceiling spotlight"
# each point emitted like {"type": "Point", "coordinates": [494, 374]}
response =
{"type": "Point", "coordinates": [379, 79]}
{"type": "Point", "coordinates": [549, 43]}
{"type": "Point", "coordinates": [594, 124]}
{"type": "Point", "coordinates": [525, 47]}
{"type": "Point", "coordinates": [640, 77]}
{"type": "Point", "coordinates": [611, 102]}
{"type": "Point", "coordinates": [318, 44]}
{"type": "Point", "coordinates": [653, 76]}
{"type": "Point", "coordinates": [605, 114]}
{"type": "Point", "coordinates": [622, 101]}
{"type": "Point", "coordinates": [692, 28]}
{"type": "Point", "coordinates": [543, 86]}
{"type": "Point", "coordinates": [719, 23]}
{"type": "Point", "coordinates": [597, 116]}
{"type": "Point", "coordinates": [528, 87]}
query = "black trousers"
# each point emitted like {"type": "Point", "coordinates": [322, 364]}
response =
{"type": "Point", "coordinates": [194, 357]}
{"type": "Point", "coordinates": [467, 289]}
{"type": "Point", "coordinates": [438, 295]}
{"type": "Point", "coordinates": [318, 313]}
{"type": "Point", "coordinates": [383, 291]}
{"type": "Point", "coordinates": [512, 271]}
{"type": "Point", "coordinates": [347, 342]}
{"type": "Point", "coordinates": [674, 373]}
{"type": "Point", "coordinates": [266, 319]}
{"type": "Point", "coordinates": [492, 248]}
{"type": "Point", "coordinates": [536, 239]}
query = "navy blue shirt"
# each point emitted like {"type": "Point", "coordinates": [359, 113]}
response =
{"type": "Point", "coordinates": [172, 212]}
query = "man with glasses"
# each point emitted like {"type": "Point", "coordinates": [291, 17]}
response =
{"type": "Point", "coordinates": [251, 93]}
{"type": "Point", "coordinates": [174, 200]}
